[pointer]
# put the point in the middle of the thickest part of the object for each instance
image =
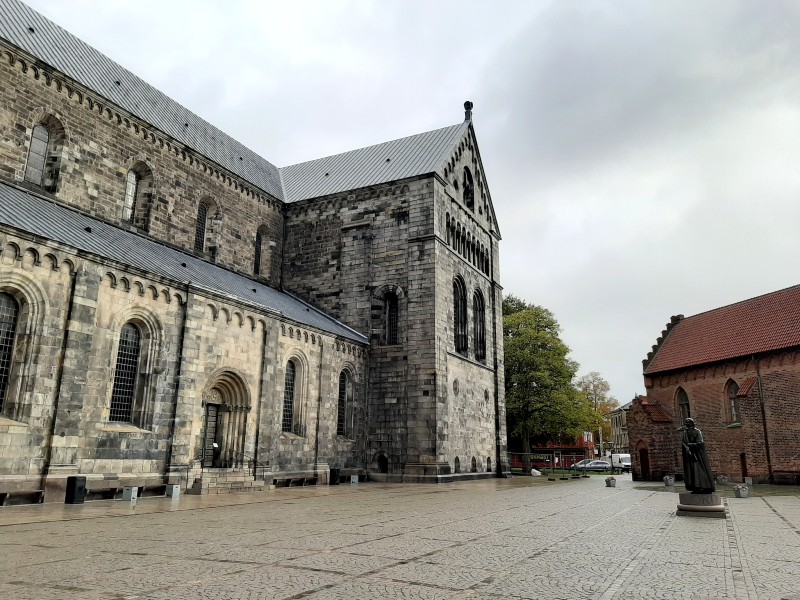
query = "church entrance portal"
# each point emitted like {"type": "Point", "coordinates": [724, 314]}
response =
{"type": "Point", "coordinates": [211, 445]}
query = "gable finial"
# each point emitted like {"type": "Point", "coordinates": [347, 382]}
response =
{"type": "Point", "coordinates": [468, 110]}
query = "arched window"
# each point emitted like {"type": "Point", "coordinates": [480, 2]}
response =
{"type": "Point", "coordinates": [469, 190]}
{"type": "Point", "coordinates": [123, 395]}
{"type": "Point", "coordinates": [479, 325]}
{"type": "Point", "coordinates": [457, 465]}
{"type": "Point", "coordinates": [9, 311]}
{"type": "Point", "coordinates": [44, 154]}
{"type": "Point", "coordinates": [344, 416]}
{"type": "Point", "coordinates": [259, 251]}
{"type": "Point", "coordinates": [732, 390]}
{"type": "Point", "coordinates": [200, 227]}
{"type": "Point", "coordinates": [287, 422]}
{"type": "Point", "coordinates": [474, 466]}
{"type": "Point", "coordinates": [207, 228]}
{"type": "Point", "coordinates": [683, 405]}
{"type": "Point", "coordinates": [460, 315]}
{"type": "Point", "coordinates": [488, 465]}
{"type": "Point", "coordinates": [392, 319]}
{"type": "Point", "coordinates": [138, 195]}
{"type": "Point", "coordinates": [37, 155]}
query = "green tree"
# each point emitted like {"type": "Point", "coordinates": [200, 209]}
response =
{"type": "Point", "coordinates": [598, 395]}
{"type": "Point", "coordinates": [541, 400]}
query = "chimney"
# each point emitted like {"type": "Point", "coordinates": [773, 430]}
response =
{"type": "Point", "coordinates": [468, 110]}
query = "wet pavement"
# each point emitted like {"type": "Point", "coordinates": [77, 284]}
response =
{"type": "Point", "coordinates": [490, 539]}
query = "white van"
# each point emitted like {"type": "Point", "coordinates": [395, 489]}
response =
{"type": "Point", "coordinates": [621, 462]}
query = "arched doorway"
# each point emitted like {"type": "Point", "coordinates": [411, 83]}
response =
{"type": "Point", "coordinates": [644, 463]}
{"type": "Point", "coordinates": [226, 405]}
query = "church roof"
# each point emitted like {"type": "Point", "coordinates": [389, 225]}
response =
{"type": "Point", "coordinates": [408, 157]}
{"type": "Point", "coordinates": [33, 33]}
{"type": "Point", "coordinates": [28, 212]}
{"type": "Point", "coordinates": [762, 324]}
{"type": "Point", "coordinates": [390, 161]}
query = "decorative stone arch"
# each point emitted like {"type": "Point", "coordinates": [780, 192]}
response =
{"type": "Point", "coordinates": [730, 395]}
{"type": "Point", "coordinates": [457, 465]}
{"type": "Point", "coordinates": [152, 361]}
{"type": "Point", "coordinates": [32, 306]}
{"type": "Point", "coordinates": [139, 197]}
{"type": "Point", "coordinates": [261, 254]}
{"type": "Point", "coordinates": [681, 404]}
{"type": "Point", "coordinates": [226, 405]}
{"type": "Point", "coordinates": [47, 139]}
{"type": "Point", "coordinates": [642, 469]}
{"type": "Point", "coordinates": [379, 462]}
{"type": "Point", "coordinates": [348, 392]}
{"type": "Point", "coordinates": [388, 315]}
{"type": "Point", "coordinates": [208, 227]}
{"type": "Point", "coordinates": [11, 252]}
{"type": "Point", "coordinates": [294, 391]}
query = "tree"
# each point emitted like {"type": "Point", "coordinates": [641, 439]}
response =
{"type": "Point", "coordinates": [541, 400]}
{"type": "Point", "coordinates": [597, 393]}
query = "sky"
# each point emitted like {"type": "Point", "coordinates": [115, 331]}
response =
{"type": "Point", "coordinates": [643, 158]}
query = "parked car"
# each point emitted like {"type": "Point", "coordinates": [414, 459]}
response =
{"type": "Point", "coordinates": [594, 465]}
{"type": "Point", "coordinates": [582, 463]}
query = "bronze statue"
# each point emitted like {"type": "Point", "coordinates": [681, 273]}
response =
{"type": "Point", "coordinates": [697, 475]}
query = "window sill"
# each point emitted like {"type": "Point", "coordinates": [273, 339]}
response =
{"type": "Point", "coordinates": [736, 425]}
{"type": "Point", "coordinates": [343, 438]}
{"type": "Point", "coordinates": [6, 422]}
{"type": "Point", "coordinates": [122, 428]}
{"type": "Point", "coordinates": [288, 435]}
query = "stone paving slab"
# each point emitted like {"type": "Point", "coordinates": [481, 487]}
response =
{"type": "Point", "coordinates": [482, 540]}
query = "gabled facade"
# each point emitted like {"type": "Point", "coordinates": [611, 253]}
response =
{"type": "Point", "coordinates": [736, 371]}
{"type": "Point", "coordinates": [176, 309]}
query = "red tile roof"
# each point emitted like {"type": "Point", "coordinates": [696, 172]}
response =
{"type": "Point", "coordinates": [762, 324]}
{"type": "Point", "coordinates": [656, 413]}
{"type": "Point", "coordinates": [746, 387]}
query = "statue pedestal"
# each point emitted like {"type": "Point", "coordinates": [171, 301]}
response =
{"type": "Point", "coordinates": [700, 505]}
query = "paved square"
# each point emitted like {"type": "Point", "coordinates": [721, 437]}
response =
{"type": "Point", "coordinates": [492, 539]}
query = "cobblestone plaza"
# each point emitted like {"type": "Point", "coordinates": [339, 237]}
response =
{"type": "Point", "coordinates": [491, 539]}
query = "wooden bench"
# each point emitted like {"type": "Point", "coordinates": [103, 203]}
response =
{"type": "Point", "coordinates": [786, 476]}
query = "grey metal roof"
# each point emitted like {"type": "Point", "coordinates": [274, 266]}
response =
{"type": "Point", "coordinates": [407, 157]}
{"type": "Point", "coordinates": [73, 57]}
{"type": "Point", "coordinates": [27, 212]}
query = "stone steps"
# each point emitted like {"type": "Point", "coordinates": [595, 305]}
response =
{"type": "Point", "coordinates": [226, 481]}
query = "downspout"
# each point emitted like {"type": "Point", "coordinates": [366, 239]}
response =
{"type": "Point", "coordinates": [498, 459]}
{"type": "Point", "coordinates": [178, 382]}
{"type": "Point", "coordinates": [59, 377]}
{"type": "Point", "coordinates": [319, 409]}
{"type": "Point", "coordinates": [764, 420]}
{"type": "Point", "coordinates": [260, 400]}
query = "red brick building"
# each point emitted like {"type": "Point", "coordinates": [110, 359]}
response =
{"type": "Point", "coordinates": [736, 371]}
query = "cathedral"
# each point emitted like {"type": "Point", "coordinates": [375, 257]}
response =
{"type": "Point", "coordinates": [175, 310]}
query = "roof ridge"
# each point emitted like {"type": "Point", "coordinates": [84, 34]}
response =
{"type": "Point", "coordinates": [711, 310]}
{"type": "Point", "coordinates": [370, 146]}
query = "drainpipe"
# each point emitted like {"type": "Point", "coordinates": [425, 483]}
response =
{"type": "Point", "coordinates": [498, 458]}
{"type": "Point", "coordinates": [178, 382]}
{"type": "Point", "coordinates": [319, 408]}
{"type": "Point", "coordinates": [260, 400]}
{"type": "Point", "coordinates": [48, 451]}
{"type": "Point", "coordinates": [764, 420]}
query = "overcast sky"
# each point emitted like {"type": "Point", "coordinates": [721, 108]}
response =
{"type": "Point", "coordinates": [643, 157]}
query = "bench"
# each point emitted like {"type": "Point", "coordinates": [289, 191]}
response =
{"type": "Point", "coordinates": [786, 476]}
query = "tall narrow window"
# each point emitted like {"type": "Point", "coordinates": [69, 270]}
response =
{"type": "Point", "coordinates": [733, 401]}
{"type": "Point", "coordinates": [683, 405]}
{"type": "Point", "coordinates": [288, 397]}
{"type": "Point", "coordinates": [479, 326]}
{"type": "Point", "coordinates": [131, 187]}
{"type": "Point", "coordinates": [124, 392]}
{"type": "Point", "coordinates": [344, 416]}
{"type": "Point", "coordinates": [37, 155]}
{"type": "Point", "coordinates": [200, 227]}
{"type": "Point", "coordinates": [469, 190]}
{"type": "Point", "coordinates": [9, 310]}
{"type": "Point", "coordinates": [460, 315]}
{"type": "Point", "coordinates": [392, 319]}
{"type": "Point", "coordinates": [257, 249]}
